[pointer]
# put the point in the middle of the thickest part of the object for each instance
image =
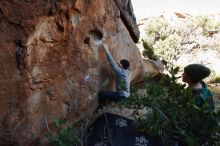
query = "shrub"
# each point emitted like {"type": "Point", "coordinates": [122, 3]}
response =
{"type": "Point", "coordinates": [158, 28]}
{"type": "Point", "coordinates": [161, 39]}
{"type": "Point", "coordinates": [65, 134]}
{"type": "Point", "coordinates": [168, 49]}
{"type": "Point", "coordinates": [169, 40]}
{"type": "Point", "coordinates": [215, 80]}
{"type": "Point", "coordinates": [206, 23]}
{"type": "Point", "coordinates": [172, 114]}
{"type": "Point", "coordinates": [148, 50]}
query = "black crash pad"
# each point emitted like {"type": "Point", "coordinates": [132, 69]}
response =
{"type": "Point", "coordinates": [114, 130]}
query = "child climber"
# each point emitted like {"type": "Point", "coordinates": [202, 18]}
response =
{"type": "Point", "coordinates": [193, 76]}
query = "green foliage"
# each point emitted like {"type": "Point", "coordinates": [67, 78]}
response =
{"type": "Point", "coordinates": [122, 85]}
{"type": "Point", "coordinates": [172, 113]}
{"type": "Point", "coordinates": [148, 50]}
{"type": "Point", "coordinates": [159, 28]}
{"type": "Point", "coordinates": [206, 23]}
{"type": "Point", "coordinates": [65, 134]}
{"type": "Point", "coordinates": [168, 49]}
{"type": "Point", "coordinates": [215, 80]}
{"type": "Point", "coordinates": [161, 40]}
{"type": "Point", "coordinates": [165, 39]}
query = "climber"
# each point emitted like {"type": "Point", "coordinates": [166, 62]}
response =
{"type": "Point", "coordinates": [193, 75]}
{"type": "Point", "coordinates": [123, 79]}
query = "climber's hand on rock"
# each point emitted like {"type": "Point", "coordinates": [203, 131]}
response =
{"type": "Point", "coordinates": [104, 37]}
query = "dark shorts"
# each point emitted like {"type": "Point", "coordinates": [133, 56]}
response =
{"type": "Point", "coordinates": [109, 96]}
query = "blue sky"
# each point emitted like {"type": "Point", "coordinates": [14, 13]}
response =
{"type": "Point", "coordinates": [143, 8]}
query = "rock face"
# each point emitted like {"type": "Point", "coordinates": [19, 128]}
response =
{"type": "Point", "coordinates": [52, 63]}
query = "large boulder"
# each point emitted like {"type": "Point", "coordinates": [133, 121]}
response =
{"type": "Point", "coordinates": [52, 63]}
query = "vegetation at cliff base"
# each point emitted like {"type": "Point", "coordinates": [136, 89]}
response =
{"type": "Point", "coordinates": [171, 115]}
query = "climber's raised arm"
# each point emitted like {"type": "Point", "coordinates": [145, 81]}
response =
{"type": "Point", "coordinates": [111, 60]}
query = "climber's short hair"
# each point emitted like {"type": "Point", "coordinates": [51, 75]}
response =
{"type": "Point", "coordinates": [125, 63]}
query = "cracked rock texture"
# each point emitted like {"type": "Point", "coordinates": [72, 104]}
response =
{"type": "Point", "coordinates": [52, 64]}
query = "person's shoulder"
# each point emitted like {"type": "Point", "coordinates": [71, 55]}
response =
{"type": "Point", "coordinates": [127, 70]}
